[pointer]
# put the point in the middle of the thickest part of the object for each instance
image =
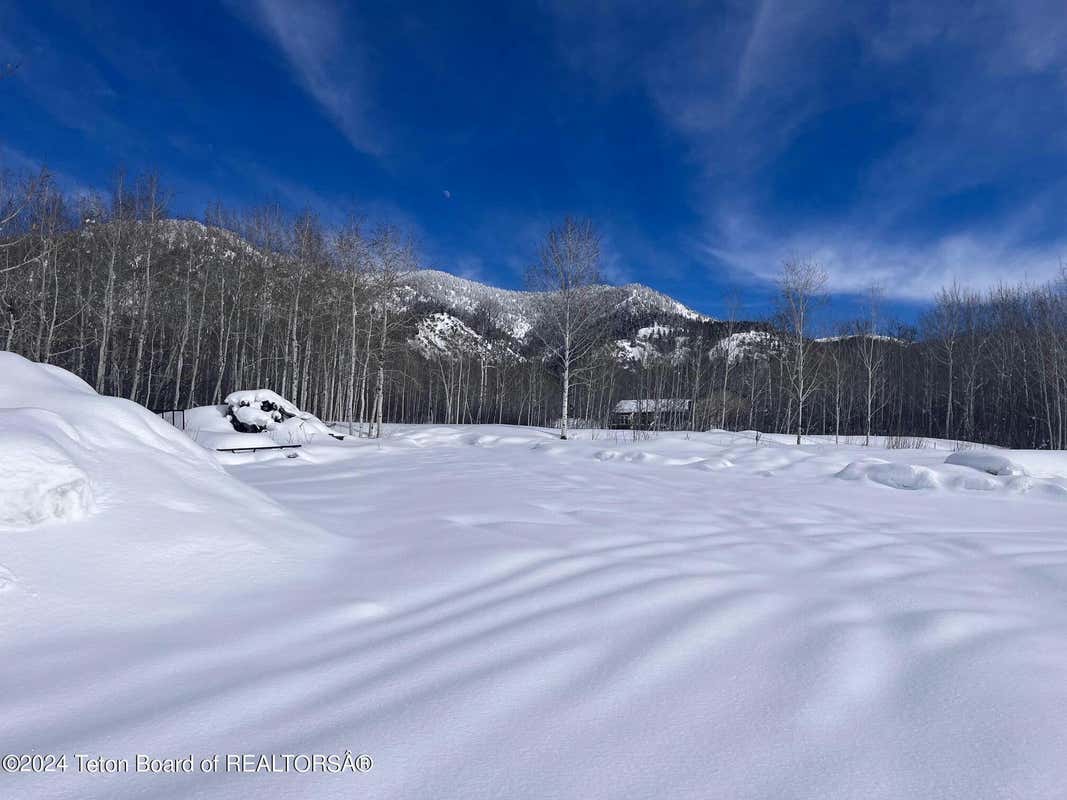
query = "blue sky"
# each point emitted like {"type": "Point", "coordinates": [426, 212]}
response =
{"type": "Point", "coordinates": [904, 144]}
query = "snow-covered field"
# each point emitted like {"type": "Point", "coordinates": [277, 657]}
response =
{"type": "Point", "coordinates": [489, 612]}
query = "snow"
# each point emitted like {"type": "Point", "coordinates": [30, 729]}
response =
{"type": "Point", "coordinates": [745, 344]}
{"type": "Point", "coordinates": [993, 463]}
{"type": "Point", "coordinates": [491, 612]}
{"type": "Point", "coordinates": [895, 476]}
{"type": "Point", "coordinates": [654, 331]}
{"type": "Point", "coordinates": [254, 397]}
{"type": "Point", "coordinates": [662, 405]}
{"type": "Point", "coordinates": [957, 473]}
{"type": "Point", "coordinates": [442, 334]}
{"type": "Point", "coordinates": [638, 351]}
{"type": "Point", "coordinates": [514, 311]}
{"type": "Point", "coordinates": [649, 341]}
{"type": "Point", "coordinates": [40, 480]}
{"type": "Point", "coordinates": [280, 421]}
{"type": "Point", "coordinates": [877, 337]}
{"type": "Point", "coordinates": [210, 426]}
{"type": "Point", "coordinates": [110, 587]}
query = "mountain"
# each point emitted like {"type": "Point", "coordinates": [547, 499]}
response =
{"type": "Point", "coordinates": [449, 314]}
{"type": "Point", "coordinates": [512, 312]}
{"type": "Point", "coordinates": [458, 315]}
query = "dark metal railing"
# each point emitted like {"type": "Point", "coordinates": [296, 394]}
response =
{"type": "Point", "coordinates": [175, 416]}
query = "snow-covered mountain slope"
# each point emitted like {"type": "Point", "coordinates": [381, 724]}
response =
{"type": "Point", "coordinates": [494, 318]}
{"type": "Point", "coordinates": [850, 337]}
{"type": "Point", "coordinates": [441, 333]}
{"type": "Point", "coordinates": [513, 311]}
{"type": "Point", "coordinates": [746, 344]}
{"type": "Point", "coordinates": [653, 341]}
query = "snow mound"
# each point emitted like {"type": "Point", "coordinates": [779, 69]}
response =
{"type": "Point", "coordinates": [257, 410]}
{"type": "Point", "coordinates": [101, 424]}
{"type": "Point", "coordinates": [894, 475]}
{"type": "Point", "coordinates": [40, 480]}
{"type": "Point", "coordinates": [991, 463]}
{"type": "Point", "coordinates": [972, 472]}
{"type": "Point", "coordinates": [210, 419]}
{"type": "Point", "coordinates": [55, 434]}
{"type": "Point", "coordinates": [211, 428]}
{"type": "Point", "coordinates": [262, 405]}
{"type": "Point", "coordinates": [110, 513]}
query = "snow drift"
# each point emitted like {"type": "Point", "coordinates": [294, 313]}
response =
{"type": "Point", "coordinates": [40, 479]}
{"type": "Point", "coordinates": [70, 409]}
{"type": "Point", "coordinates": [683, 616]}
{"type": "Point", "coordinates": [103, 501]}
{"type": "Point", "coordinates": [54, 429]}
{"type": "Point", "coordinates": [990, 463]}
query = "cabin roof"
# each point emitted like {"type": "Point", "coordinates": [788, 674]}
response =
{"type": "Point", "coordinates": [650, 406]}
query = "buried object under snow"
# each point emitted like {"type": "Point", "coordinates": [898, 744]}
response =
{"type": "Point", "coordinates": [258, 410]}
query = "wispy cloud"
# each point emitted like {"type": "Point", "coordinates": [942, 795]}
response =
{"type": "Point", "coordinates": [905, 271]}
{"type": "Point", "coordinates": [971, 93]}
{"type": "Point", "coordinates": [328, 57]}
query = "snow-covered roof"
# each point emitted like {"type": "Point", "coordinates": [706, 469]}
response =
{"type": "Point", "coordinates": [649, 406]}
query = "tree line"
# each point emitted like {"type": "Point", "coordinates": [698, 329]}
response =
{"type": "Point", "coordinates": [174, 314]}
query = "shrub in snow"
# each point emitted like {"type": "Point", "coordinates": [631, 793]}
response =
{"type": "Point", "coordinates": [258, 410]}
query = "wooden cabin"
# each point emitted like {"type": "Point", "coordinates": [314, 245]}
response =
{"type": "Point", "coordinates": [651, 415]}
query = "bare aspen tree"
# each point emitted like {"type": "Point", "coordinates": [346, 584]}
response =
{"type": "Point", "coordinates": [975, 319]}
{"type": "Point", "coordinates": [569, 311]}
{"type": "Point", "coordinates": [837, 358]}
{"type": "Point", "coordinates": [943, 325]}
{"type": "Point", "coordinates": [800, 288]}
{"type": "Point", "coordinates": [151, 211]}
{"type": "Point", "coordinates": [114, 229]}
{"type": "Point", "coordinates": [871, 351]}
{"type": "Point", "coordinates": [733, 305]}
{"type": "Point", "coordinates": [16, 199]}
{"type": "Point", "coordinates": [394, 257]}
{"type": "Point", "coordinates": [48, 210]}
{"type": "Point", "coordinates": [352, 252]}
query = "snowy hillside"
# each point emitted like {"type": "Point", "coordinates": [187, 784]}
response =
{"type": "Point", "coordinates": [746, 344]}
{"type": "Point", "coordinates": [443, 334]}
{"type": "Point", "coordinates": [508, 311]}
{"type": "Point", "coordinates": [513, 310]}
{"type": "Point", "coordinates": [652, 341]}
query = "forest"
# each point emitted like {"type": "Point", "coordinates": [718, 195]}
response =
{"type": "Point", "coordinates": [174, 314]}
